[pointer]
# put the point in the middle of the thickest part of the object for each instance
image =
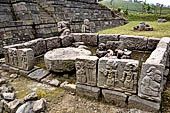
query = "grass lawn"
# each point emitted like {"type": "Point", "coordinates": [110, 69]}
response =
{"type": "Point", "coordinates": [160, 30]}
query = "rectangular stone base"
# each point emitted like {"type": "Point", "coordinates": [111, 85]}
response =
{"type": "Point", "coordinates": [142, 104]}
{"type": "Point", "coordinates": [114, 97]}
{"type": "Point", "coordinates": [88, 91]}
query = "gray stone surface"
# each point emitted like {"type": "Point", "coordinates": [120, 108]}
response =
{"type": "Point", "coordinates": [142, 104]}
{"type": "Point", "coordinates": [26, 108]}
{"type": "Point", "coordinates": [38, 74]}
{"type": "Point", "coordinates": [88, 91]}
{"type": "Point", "coordinates": [63, 59]}
{"type": "Point", "coordinates": [31, 96]}
{"type": "Point", "coordinates": [151, 82]}
{"type": "Point", "coordinates": [87, 38]}
{"type": "Point", "coordinates": [118, 74]}
{"type": "Point", "coordinates": [51, 80]}
{"type": "Point", "coordinates": [26, 59]}
{"type": "Point", "coordinates": [152, 43]}
{"type": "Point", "coordinates": [113, 45]}
{"type": "Point", "coordinates": [25, 73]}
{"type": "Point", "coordinates": [66, 40]}
{"type": "Point", "coordinates": [52, 43]}
{"type": "Point", "coordinates": [1, 107]}
{"type": "Point", "coordinates": [134, 42]}
{"type": "Point", "coordinates": [103, 38]}
{"type": "Point", "coordinates": [39, 105]}
{"type": "Point", "coordinates": [38, 46]}
{"type": "Point", "coordinates": [86, 70]}
{"type": "Point", "coordinates": [114, 97]}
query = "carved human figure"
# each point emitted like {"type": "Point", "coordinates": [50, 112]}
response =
{"type": "Point", "coordinates": [86, 26]}
{"type": "Point", "coordinates": [63, 28]}
{"type": "Point", "coordinates": [151, 83]}
{"type": "Point", "coordinates": [80, 72]}
{"type": "Point", "coordinates": [101, 51]}
{"type": "Point", "coordinates": [111, 73]}
{"type": "Point", "coordinates": [91, 72]}
{"type": "Point", "coordinates": [24, 60]}
{"type": "Point", "coordinates": [129, 78]}
{"type": "Point", "coordinates": [15, 57]}
{"type": "Point", "coordinates": [11, 57]}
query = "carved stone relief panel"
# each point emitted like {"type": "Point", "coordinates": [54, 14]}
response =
{"type": "Point", "coordinates": [26, 57]}
{"type": "Point", "coordinates": [118, 74]}
{"type": "Point", "coordinates": [150, 82]}
{"type": "Point", "coordinates": [13, 57]}
{"type": "Point", "coordinates": [86, 67]}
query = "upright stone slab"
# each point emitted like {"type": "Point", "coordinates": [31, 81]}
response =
{"type": "Point", "coordinates": [86, 70]}
{"type": "Point", "coordinates": [13, 57]}
{"type": "Point", "coordinates": [134, 42]}
{"type": "Point", "coordinates": [150, 82]}
{"type": "Point", "coordinates": [118, 74]}
{"type": "Point", "coordinates": [26, 59]}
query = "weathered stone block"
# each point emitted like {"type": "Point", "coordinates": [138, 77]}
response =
{"type": "Point", "coordinates": [150, 82]}
{"type": "Point", "coordinates": [26, 59]}
{"type": "Point", "coordinates": [118, 74]}
{"type": "Point", "coordinates": [143, 104]}
{"type": "Point", "coordinates": [152, 43]}
{"type": "Point", "coordinates": [77, 37]}
{"type": "Point", "coordinates": [89, 91]}
{"type": "Point", "coordinates": [38, 46]}
{"type": "Point", "coordinates": [90, 39]}
{"type": "Point", "coordinates": [86, 70]}
{"type": "Point", "coordinates": [25, 73]}
{"type": "Point", "coordinates": [103, 38]}
{"type": "Point", "coordinates": [63, 59]}
{"type": "Point", "coordinates": [113, 45]}
{"type": "Point", "coordinates": [38, 74]}
{"type": "Point", "coordinates": [52, 43]}
{"type": "Point", "coordinates": [13, 57]}
{"type": "Point", "coordinates": [114, 97]}
{"type": "Point", "coordinates": [66, 40]}
{"type": "Point", "coordinates": [134, 42]}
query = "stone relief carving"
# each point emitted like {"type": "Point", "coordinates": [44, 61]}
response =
{"type": "Point", "coordinates": [86, 26]}
{"type": "Point", "coordinates": [63, 28]}
{"type": "Point", "coordinates": [13, 58]}
{"type": "Point", "coordinates": [91, 75]}
{"type": "Point", "coordinates": [111, 73]}
{"type": "Point", "coordinates": [101, 51]}
{"type": "Point", "coordinates": [129, 78]}
{"type": "Point", "coordinates": [150, 86]}
{"type": "Point", "coordinates": [81, 72]}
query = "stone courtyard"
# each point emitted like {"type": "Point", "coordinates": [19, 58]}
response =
{"type": "Point", "coordinates": [64, 66]}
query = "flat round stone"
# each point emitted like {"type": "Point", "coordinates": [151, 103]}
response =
{"type": "Point", "coordinates": [63, 59]}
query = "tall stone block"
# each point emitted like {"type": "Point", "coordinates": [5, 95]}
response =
{"type": "Point", "coordinates": [13, 57]}
{"type": "Point", "coordinates": [151, 82]}
{"type": "Point", "coordinates": [26, 59]}
{"type": "Point", "coordinates": [86, 70]}
{"type": "Point", "coordinates": [118, 74]}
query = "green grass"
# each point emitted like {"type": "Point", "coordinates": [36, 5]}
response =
{"type": "Point", "coordinates": [160, 30]}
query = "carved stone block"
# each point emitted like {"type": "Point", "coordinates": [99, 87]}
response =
{"type": "Point", "coordinates": [88, 91]}
{"type": "Point", "coordinates": [90, 38]}
{"type": "Point", "coordinates": [86, 70]}
{"type": "Point", "coordinates": [114, 97]}
{"type": "Point", "coordinates": [52, 43]}
{"type": "Point", "coordinates": [142, 104]}
{"type": "Point", "coordinates": [113, 45]}
{"type": "Point", "coordinates": [134, 42]}
{"type": "Point", "coordinates": [26, 59]}
{"type": "Point", "coordinates": [38, 46]}
{"type": "Point", "coordinates": [150, 82]}
{"type": "Point", "coordinates": [103, 38]}
{"type": "Point", "coordinates": [118, 74]}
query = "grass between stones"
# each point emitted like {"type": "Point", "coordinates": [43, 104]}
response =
{"type": "Point", "coordinates": [160, 29]}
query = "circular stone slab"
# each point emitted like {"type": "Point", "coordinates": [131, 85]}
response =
{"type": "Point", "coordinates": [63, 59]}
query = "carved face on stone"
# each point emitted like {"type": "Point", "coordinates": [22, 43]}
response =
{"type": "Point", "coordinates": [102, 46]}
{"type": "Point", "coordinates": [157, 76]}
{"type": "Point", "coordinates": [86, 22]}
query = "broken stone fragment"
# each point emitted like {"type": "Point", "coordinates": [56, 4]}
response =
{"type": "Point", "coordinates": [39, 105]}
{"type": "Point", "coordinates": [8, 96]}
{"type": "Point", "coordinates": [31, 96]}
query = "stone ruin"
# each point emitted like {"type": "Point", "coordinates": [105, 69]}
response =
{"type": "Point", "coordinates": [25, 20]}
{"type": "Point", "coordinates": [143, 27]}
{"type": "Point", "coordinates": [111, 74]}
{"type": "Point", "coordinates": [162, 20]}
